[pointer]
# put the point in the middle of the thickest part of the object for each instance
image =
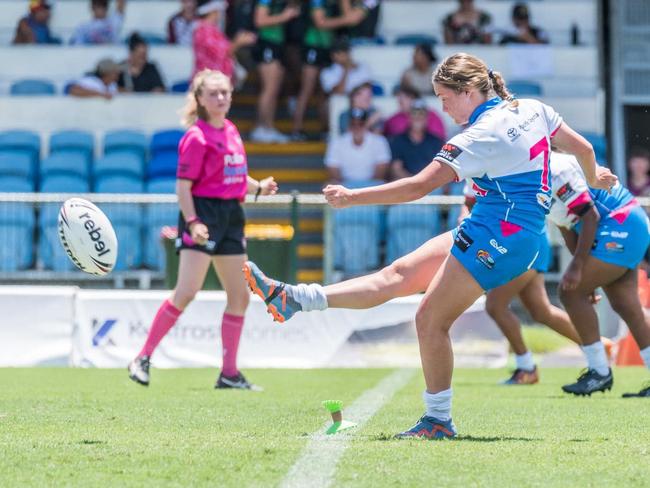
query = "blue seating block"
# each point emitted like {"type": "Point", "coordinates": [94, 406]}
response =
{"type": "Point", "coordinates": [17, 228]}
{"type": "Point", "coordinates": [408, 227]}
{"type": "Point", "coordinates": [132, 141]}
{"type": "Point", "coordinates": [16, 163]}
{"type": "Point", "coordinates": [165, 141]}
{"type": "Point", "coordinates": [23, 141]}
{"type": "Point", "coordinates": [32, 87]}
{"type": "Point", "coordinates": [119, 163]}
{"type": "Point", "coordinates": [521, 88]}
{"type": "Point", "coordinates": [357, 232]}
{"type": "Point", "coordinates": [65, 162]}
{"type": "Point", "coordinates": [73, 140]}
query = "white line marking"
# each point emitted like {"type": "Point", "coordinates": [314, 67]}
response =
{"type": "Point", "coordinates": [316, 466]}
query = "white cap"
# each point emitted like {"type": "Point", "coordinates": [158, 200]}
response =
{"type": "Point", "coordinates": [211, 6]}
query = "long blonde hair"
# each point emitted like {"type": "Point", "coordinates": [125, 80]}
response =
{"type": "Point", "coordinates": [193, 110]}
{"type": "Point", "coordinates": [462, 72]}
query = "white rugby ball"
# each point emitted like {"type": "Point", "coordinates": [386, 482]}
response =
{"type": "Point", "coordinates": [87, 236]}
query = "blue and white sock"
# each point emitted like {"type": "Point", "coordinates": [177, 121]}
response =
{"type": "Point", "coordinates": [438, 405]}
{"type": "Point", "coordinates": [645, 354]}
{"type": "Point", "coordinates": [596, 357]}
{"type": "Point", "coordinates": [525, 361]}
{"type": "Point", "coordinates": [310, 297]}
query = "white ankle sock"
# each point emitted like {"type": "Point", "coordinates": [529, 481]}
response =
{"type": "Point", "coordinates": [310, 297]}
{"type": "Point", "coordinates": [596, 357]}
{"type": "Point", "coordinates": [438, 405]}
{"type": "Point", "coordinates": [645, 354]}
{"type": "Point", "coordinates": [525, 361]}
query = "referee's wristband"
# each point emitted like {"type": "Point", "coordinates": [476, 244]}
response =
{"type": "Point", "coordinates": [192, 220]}
{"type": "Point", "coordinates": [258, 192]}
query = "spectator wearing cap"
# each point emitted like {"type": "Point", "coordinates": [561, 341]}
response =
{"type": "Point", "coordinates": [100, 83]}
{"type": "Point", "coordinates": [181, 25]}
{"type": "Point", "coordinates": [35, 28]}
{"type": "Point", "coordinates": [357, 155]}
{"type": "Point", "coordinates": [523, 32]}
{"type": "Point", "coordinates": [361, 97]}
{"type": "Point", "coordinates": [467, 25]}
{"type": "Point", "coordinates": [399, 122]}
{"type": "Point", "coordinates": [138, 74]}
{"type": "Point", "coordinates": [419, 75]}
{"type": "Point", "coordinates": [104, 27]}
{"type": "Point", "coordinates": [212, 49]}
{"type": "Point", "coordinates": [344, 74]}
{"type": "Point", "coordinates": [414, 150]}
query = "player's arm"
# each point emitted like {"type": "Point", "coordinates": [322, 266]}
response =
{"type": "Point", "coordinates": [584, 243]}
{"type": "Point", "coordinates": [321, 21]}
{"type": "Point", "coordinates": [266, 186]}
{"type": "Point", "coordinates": [263, 17]}
{"type": "Point", "coordinates": [198, 230]}
{"type": "Point", "coordinates": [571, 142]}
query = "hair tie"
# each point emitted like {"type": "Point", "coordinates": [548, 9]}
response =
{"type": "Point", "coordinates": [491, 74]}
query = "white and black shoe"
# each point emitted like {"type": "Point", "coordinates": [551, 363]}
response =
{"type": "Point", "coordinates": [139, 370]}
{"type": "Point", "coordinates": [590, 382]}
{"type": "Point", "coordinates": [238, 382]}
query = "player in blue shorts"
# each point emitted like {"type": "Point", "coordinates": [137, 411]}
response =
{"type": "Point", "coordinates": [505, 150]}
{"type": "Point", "coordinates": [608, 235]}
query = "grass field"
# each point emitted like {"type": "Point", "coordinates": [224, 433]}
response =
{"type": "Point", "coordinates": [73, 427]}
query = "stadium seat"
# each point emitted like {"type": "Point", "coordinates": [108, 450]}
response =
{"type": "Point", "coordinates": [17, 228]}
{"type": "Point", "coordinates": [161, 185]}
{"type": "Point", "coordinates": [453, 212]}
{"type": "Point", "coordinates": [163, 165]}
{"type": "Point", "coordinates": [51, 254]}
{"type": "Point", "coordinates": [165, 141]}
{"type": "Point", "coordinates": [65, 162]}
{"type": "Point", "coordinates": [16, 184]}
{"type": "Point", "coordinates": [367, 41]}
{"type": "Point", "coordinates": [408, 227]}
{"type": "Point", "coordinates": [24, 141]}
{"type": "Point", "coordinates": [127, 221]}
{"type": "Point", "coordinates": [126, 140]}
{"type": "Point", "coordinates": [377, 89]}
{"type": "Point", "coordinates": [525, 88]}
{"type": "Point", "coordinates": [73, 140]}
{"type": "Point", "coordinates": [16, 163]}
{"type": "Point", "coordinates": [155, 218]}
{"type": "Point", "coordinates": [599, 142]}
{"type": "Point", "coordinates": [181, 86]}
{"type": "Point", "coordinates": [151, 38]}
{"type": "Point", "coordinates": [120, 163]}
{"type": "Point", "coordinates": [356, 239]}
{"type": "Point", "coordinates": [118, 184]}
{"type": "Point", "coordinates": [32, 87]}
{"type": "Point", "coordinates": [65, 183]}
{"type": "Point", "coordinates": [415, 39]}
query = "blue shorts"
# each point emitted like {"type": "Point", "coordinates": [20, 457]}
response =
{"type": "Point", "coordinates": [493, 252]}
{"type": "Point", "coordinates": [623, 237]}
{"type": "Point", "coordinates": [543, 260]}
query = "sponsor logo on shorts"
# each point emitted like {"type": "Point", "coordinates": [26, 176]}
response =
{"type": "Point", "coordinates": [614, 247]}
{"type": "Point", "coordinates": [463, 241]}
{"type": "Point", "coordinates": [544, 200]}
{"type": "Point", "coordinates": [484, 258]}
{"type": "Point", "coordinates": [619, 235]}
{"type": "Point", "coordinates": [498, 247]}
{"type": "Point", "coordinates": [449, 152]}
{"type": "Point", "coordinates": [565, 192]}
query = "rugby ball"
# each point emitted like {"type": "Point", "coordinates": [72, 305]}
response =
{"type": "Point", "coordinates": [87, 236]}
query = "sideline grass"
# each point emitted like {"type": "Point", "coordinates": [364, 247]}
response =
{"type": "Point", "coordinates": [77, 427]}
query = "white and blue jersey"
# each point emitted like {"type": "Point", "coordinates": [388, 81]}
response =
{"type": "Point", "coordinates": [622, 237]}
{"type": "Point", "coordinates": [504, 153]}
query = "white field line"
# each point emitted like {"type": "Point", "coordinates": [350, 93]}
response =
{"type": "Point", "coordinates": [316, 466]}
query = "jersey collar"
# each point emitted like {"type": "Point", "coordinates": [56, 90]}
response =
{"type": "Point", "coordinates": [484, 107]}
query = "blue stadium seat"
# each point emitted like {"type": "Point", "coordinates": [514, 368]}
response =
{"type": "Point", "coordinates": [126, 140]}
{"type": "Point", "coordinates": [181, 86]}
{"type": "Point", "coordinates": [17, 229]}
{"type": "Point", "coordinates": [163, 165]}
{"type": "Point", "coordinates": [150, 38]}
{"type": "Point", "coordinates": [118, 184]}
{"type": "Point", "coordinates": [599, 142]}
{"type": "Point", "coordinates": [357, 233]}
{"type": "Point", "coordinates": [73, 140]}
{"type": "Point", "coordinates": [161, 185]}
{"type": "Point", "coordinates": [51, 254]}
{"type": "Point", "coordinates": [16, 163]}
{"type": "Point", "coordinates": [22, 140]}
{"type": "Point", "coordinates": [377, 89]}
{"type": "Point", "coordinates": [165, 141]}
{"type": "Point", "coordinates": [408, 227]}
{"type": "Point", "coordinates": [521, 88]}
{"type": "Point", "coordinates": [415, 39]}
{"type": "Point", "coordinates": [65, 183]}
{"type": "Point", "coordinates": [16, 184]}
{"type": "Point", "coordinates": [127, 221]}
{"type": "Point", "coordinates": [367, 41]}
{"type": "Point", "coordinates": [119, 163]}
{"type": "Point", "coordinates": [65, 162]}
{"type": "Point", "coordinates": [155, 218]}
{"type": "Point", "coordinates": [32, 87]}
{"type": "Point", "coordinates": [453, 213]}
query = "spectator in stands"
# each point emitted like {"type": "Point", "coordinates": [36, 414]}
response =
{"type": "Point", "coordinates": [325, 17]}
{"type": "Point", "coordinates": [357, 155]}
{"type": "Point", "coordinates": [414, 149]}
{"type": "Point", "coordinates": [367, 27]}
{"type": "Point", "coordinates": [419, 75]}
{"type": "Point", "coordinates": [212, 49]}
{"type": "Point", "coordinates": [344, 74]}
{"type": "Point", "coordinates": [34, 28]}
{"type": "Point", "coordinates": [138, 74]}
{"type": "Point", "coordinates": [361, 97]}
{"type": "Point", "coordinates": [523, 32]}
{"type": "Point", "coordinates": [181, 25]}
{"type": "Point", "coordinates": [270, 17]}
{"type": "Point", "coordinates": [638, 166]}
{"type": "Point", "coordinates": [467, 25]}
{"type": "Point", "coordinates": [100, 83]}
{"type": "Point", "coordinates": [104, 28]}
{"type": "Point", "coordinates": [399, 122]}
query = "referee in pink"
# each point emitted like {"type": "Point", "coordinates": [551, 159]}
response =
{"type": "Point", "coordinates": [212, 181]}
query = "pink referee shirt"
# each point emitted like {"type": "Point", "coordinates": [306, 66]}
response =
{"type": "Point", "coordinates": [215, 160]}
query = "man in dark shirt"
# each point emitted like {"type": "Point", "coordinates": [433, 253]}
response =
{"type": "Point", "coordinates": [138, 74]}
{"type": "Point", "coordinates": [414, 150]}
{"type": "Point", "coordinates": [523, 32]}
